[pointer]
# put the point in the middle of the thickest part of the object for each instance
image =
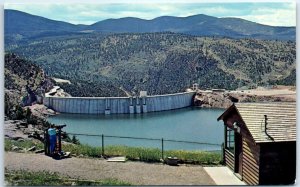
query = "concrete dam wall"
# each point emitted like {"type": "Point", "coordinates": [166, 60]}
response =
{"type": "Point", "coordinates": [119, 105]}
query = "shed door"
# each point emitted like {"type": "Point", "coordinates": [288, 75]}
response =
{"type": "Point", "coordinates": [238, 154]}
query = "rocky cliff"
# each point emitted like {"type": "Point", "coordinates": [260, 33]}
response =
{"type": "Point", "coordinates": [24, 81]}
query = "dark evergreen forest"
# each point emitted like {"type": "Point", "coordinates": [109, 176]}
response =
{"type": "Point", "coordinates": [160, 63]}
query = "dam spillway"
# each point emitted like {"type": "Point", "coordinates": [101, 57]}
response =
{"type": "Point", "coordinates": [119, 105]}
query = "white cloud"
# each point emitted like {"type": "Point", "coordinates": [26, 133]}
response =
{"type": "Point", "coordinates": [273, 17]}
{"type": "Point", "coordinates": [283, 14]}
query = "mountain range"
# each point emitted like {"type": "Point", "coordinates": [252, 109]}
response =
{"type": "Point", "coordinates": [164, 55]}
{"type": "Point", "coordinates": [20, 25]}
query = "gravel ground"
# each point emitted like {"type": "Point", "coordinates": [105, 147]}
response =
{"type": "Point", "coordinates": [136, 173]}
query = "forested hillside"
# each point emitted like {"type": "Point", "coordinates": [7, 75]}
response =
{"type": "Point", "coordinates": [160, 63]}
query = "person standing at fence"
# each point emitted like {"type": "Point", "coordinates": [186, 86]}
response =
{"type": "Point", "coordinates": [52, 139]}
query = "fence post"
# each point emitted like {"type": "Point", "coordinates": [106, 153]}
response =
{"type": "Point", "coordinates": [162, 149]}
{"type": "Point", "coordinates": [223, 153]}
{"type": "Point", "coordinates": [102, 145]}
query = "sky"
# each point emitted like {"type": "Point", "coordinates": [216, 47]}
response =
{"type": "Point", "coordinates": [268, 13]}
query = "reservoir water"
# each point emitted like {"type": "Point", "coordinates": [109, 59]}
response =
{"type": "Point", "coordinates": [189, 124]}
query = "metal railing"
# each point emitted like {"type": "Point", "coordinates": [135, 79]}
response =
{"type": "Point", "coordinates": [161, 140]}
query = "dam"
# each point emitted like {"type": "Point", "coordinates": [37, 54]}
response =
{"type": "Point", "coordinates": [119, 105]}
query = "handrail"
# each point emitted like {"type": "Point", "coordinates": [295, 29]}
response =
{"type": "Point", "coordinates": [139, 138]}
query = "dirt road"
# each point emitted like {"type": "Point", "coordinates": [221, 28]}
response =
{"type": "Point", "coordinates": [136, 173]}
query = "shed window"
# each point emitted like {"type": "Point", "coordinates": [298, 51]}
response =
{"type": "Point", "coordinates": [230, 140]}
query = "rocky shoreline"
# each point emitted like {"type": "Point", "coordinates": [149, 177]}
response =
{"type": "Point", "coordinates": [21, 130]}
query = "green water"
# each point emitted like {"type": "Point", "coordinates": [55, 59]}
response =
{"type": "Point", "coordinates": [188, 124]}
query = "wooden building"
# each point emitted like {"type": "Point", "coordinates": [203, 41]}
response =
{"type": "Point", "coordinates": [260, 142]}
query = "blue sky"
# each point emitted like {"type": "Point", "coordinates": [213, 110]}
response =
{"type": "Point", "coordinates": [269, 13]}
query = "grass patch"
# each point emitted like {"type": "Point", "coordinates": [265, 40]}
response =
{"type": "Point", "coordinates": [81, 149]}
{"type": "Point", "coordinates": [196, 157]}
{"type": "Point", "coordinates": [146, 154]}
{"type": "Point", "coordinates": [154, 155]}
{"type": "Point", "coordinates": [44, 178]}
{"type": "Point", "coordinates": [134, 153]}
{"type": "Point", "coordinates": [26, 178]}
{"type": "Point", "coordinates": [131, 153]}
{"type": "Point", "coordinates": [104, 182]}
{"type": "Point", "coordinates": [25, 144]}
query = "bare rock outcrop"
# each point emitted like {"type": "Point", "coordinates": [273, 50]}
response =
{"type": "Point", "coordinates": [224, 99]}
{"type": "Point", "coordinates": [212, 100]}
{"type": "Point", "coordinates": [20, 130]}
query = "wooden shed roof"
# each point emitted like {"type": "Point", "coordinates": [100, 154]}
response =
{"type": "Point", "coordinates": [281, 120]}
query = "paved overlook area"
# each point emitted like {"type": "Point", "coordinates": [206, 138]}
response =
{"type": "Point", "coordinates": [136, 173]}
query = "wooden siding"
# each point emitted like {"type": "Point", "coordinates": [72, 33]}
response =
{"type": "Point", "coordinates": [250, 162]}
{"type": "Point", "coordinates": [278, 163]}
{"type": "Point", "coordinates": [229, 159]}
{"type": "Point", "coordinates": [265, 161]}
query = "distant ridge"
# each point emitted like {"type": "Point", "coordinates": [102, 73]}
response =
{"type": "Point", "coordinates": [27, 25]}
{"type": "Point", "coordinates": [21, 22]}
